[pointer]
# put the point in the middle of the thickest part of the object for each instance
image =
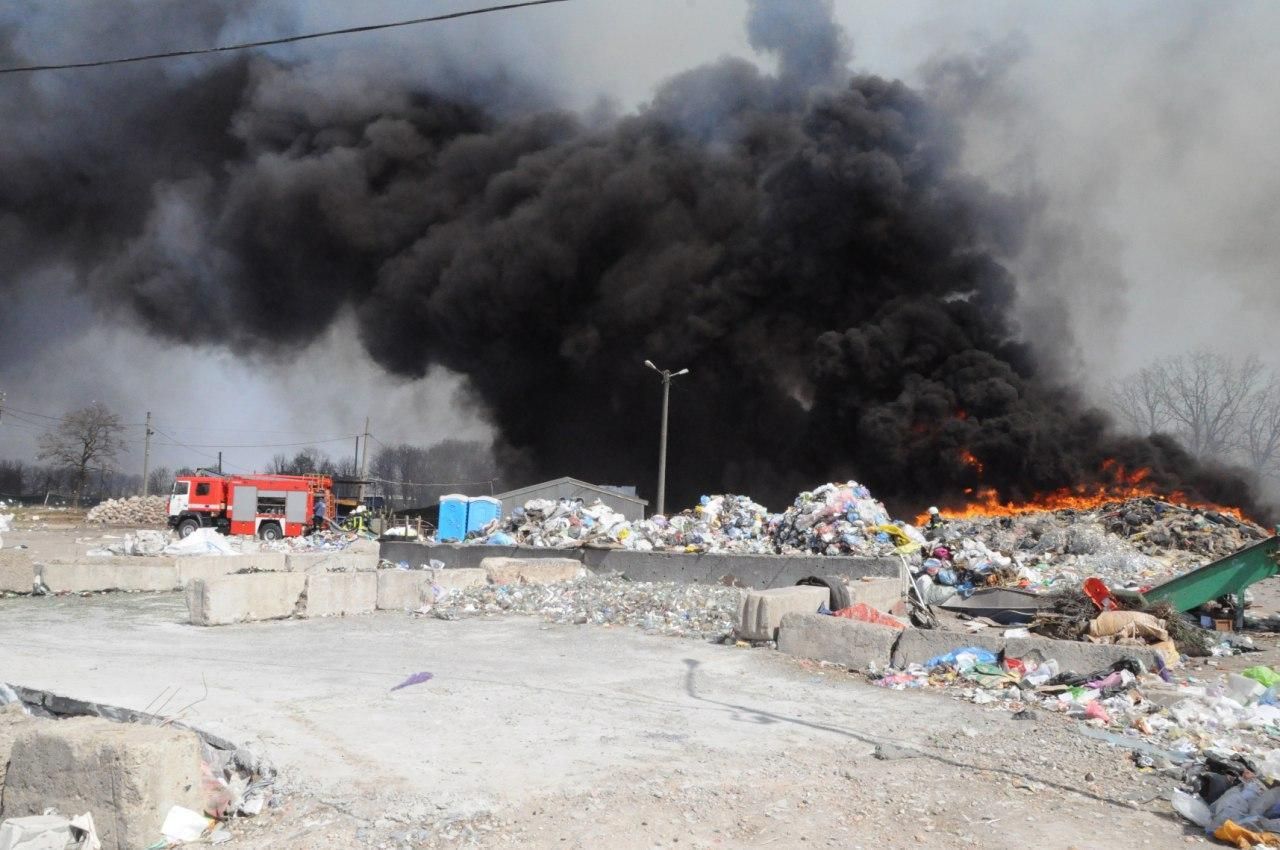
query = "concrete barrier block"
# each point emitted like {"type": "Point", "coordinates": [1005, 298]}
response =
{"type": "Point", "coordinates": [880, 593]}
{"type": "Point", "coordinates": [17, 573]}
{"type": "Point", "coordinates": [531, 570]}
{"type": "Point", "coordinates": [191, 567]}
{"type": "Point", "coordinates": [403, 590]}
{"type": "Point", "coordinates": [1076, 656]}
{"type": "Point", "coordinates": [128, 775]}
{"type": "Point", "coordinates": [917, 646]}
{"type": "Point", "coordinates": [761, 611]}
{"type": "Point", "coordinates": [331, 594]}
{"type": "Point", "coordinates": [852, 643]}
{"type": "Point", "coordinates": [244, 598]}
{"type": "Point", "coordinates": [459, 579]}
{"type": "Point", "coordinates": [408, 590]}
{"type": "Point", "coordinates": [90, 576]}
{"type": "Point", "coordinates": [314, 563]}
{"type": "Point", "coordinates": [117, 560]}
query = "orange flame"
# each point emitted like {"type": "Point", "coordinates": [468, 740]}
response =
{"type": "Point", "coordinates": [969, 460]}
{"type": "Point", "coordinates": [1124, 485]}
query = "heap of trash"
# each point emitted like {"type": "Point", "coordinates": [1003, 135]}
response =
{"type": "Point", "coordinates": [1129, 543]}
{"type": "Point", "coordinates": [833, 519]}
{"type": "Point", "coordinates": [135, 510]}
{"type": "Point", "coordinates": [709, 612]}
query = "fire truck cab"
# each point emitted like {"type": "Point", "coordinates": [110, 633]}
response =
{"type": "Point", "coordinates": [266, 506]}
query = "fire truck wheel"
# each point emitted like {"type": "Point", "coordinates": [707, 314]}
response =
{"type": "Point", "coordinates": [187, 526]}
{"type": "Point", "coordinates": [270, 531]}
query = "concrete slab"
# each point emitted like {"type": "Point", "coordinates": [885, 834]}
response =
{"type": "Point", "coordinates": [323, 562]}
{"type": "Point", "coordinates": [334, 594]}
{"type": "Point", "coordinates": [114, 560]}
{"type": "Point", "coordinates": [408, 590]}
{"type": "Point", "coordinates": [917, 646]}
{"type": "Point", "coordinates": [89, 576]}
{"type": "Point", "coordinates": [518, 709]}
{"type": "Point", "coordinates": [127, 775]}
{"type": "Point", "coordinates": [1078, 657]}
{"type": "Point", "coordinates": [402, 590]}
{"type": "Point", "coordinates": [244, 598]}
{"type": "Point", "coordinates": [762, 610]}
{"type": "Point", "coordinates": [531, 570]}
{"type": "Point", "coordinates": [880, 593]}
{"type": "Point", "coordinates": [212, 566]}
{"type": "Point", "coordinates": [16, 571]}
{"type": "Point", "coordinates": [854, 644]}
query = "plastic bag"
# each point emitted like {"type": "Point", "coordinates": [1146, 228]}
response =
{"type": "Point", "coordinates": [1267, 677]}
{"type": "Point", "coordinates": [1192, 808]}
{"type": "Point", "coordinates": [867, 614]}
{"type": "Point", "coordinates": [963, 659]}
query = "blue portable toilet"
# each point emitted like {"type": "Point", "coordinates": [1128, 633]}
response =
{"type": "Point", "coordinates": [453, 518]}
{"type": "Point", "coordinates": [482, 510]}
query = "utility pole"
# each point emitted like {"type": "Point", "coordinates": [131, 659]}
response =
{"type": "Point", "coordinates": [364, 458]}
{"type": "Point", "coordinates": [146, 457]}
{"type": "Point", "coordinates": [1, 405]}
{"type": "Point", "coordinates": [219, 461]}
{"type": "Point", "coordinates": [667, 375]}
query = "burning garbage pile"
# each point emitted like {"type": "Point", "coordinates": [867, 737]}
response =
{"type": "Point", "coordinates": [1132, 542]}
{"type": "Point", "coordinates": [834, 519]}
{"type": "Point", "coordinates": [135, 510]}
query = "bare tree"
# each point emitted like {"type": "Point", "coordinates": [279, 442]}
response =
{"type": "Point", "coordinates": [1259, 439]}
{"type": "Point", "coordinates": [1140, 401]}
{"type": "Point", "coordinates": [1205, 395]}
{"type": "Point", "coordinates": [160, 480]}
{"type": "Point", "coordinates": [86, 439]}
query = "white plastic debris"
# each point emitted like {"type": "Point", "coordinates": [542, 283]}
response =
{"type": "Point", "coordinates": [183, 825]}
{"type": "Point", "coordinates": [202, 541]}
{"type": "Point", "coordinates": [38, 832]}
{"type": "Point", "coordinates": [1191, 807]}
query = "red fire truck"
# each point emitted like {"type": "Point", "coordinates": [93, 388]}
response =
{"type": "Point", "coordinates": [267, 506]}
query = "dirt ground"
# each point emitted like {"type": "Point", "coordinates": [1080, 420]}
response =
{"type": "Point", "coordinates": [532, 735]}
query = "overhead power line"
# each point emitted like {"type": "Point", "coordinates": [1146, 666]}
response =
{"type": "Point", "coordinates": [248, 45]}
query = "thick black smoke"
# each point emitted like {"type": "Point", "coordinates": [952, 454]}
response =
{"type": "Point", "coordinates": [802, 241]}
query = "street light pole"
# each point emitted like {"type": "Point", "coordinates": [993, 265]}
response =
{"type": "Point", "coordinates": [667, 375]}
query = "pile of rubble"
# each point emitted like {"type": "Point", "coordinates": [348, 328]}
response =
{"type": "Point", "coordinates": [135, 510]}
{"type": "Point", "coordinates": [668, 608]}
{"type": "Point", "coordinates": [834, 519]}
{"type": "Point", "coordinates": [1129, 543]}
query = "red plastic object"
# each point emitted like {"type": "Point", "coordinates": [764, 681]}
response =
{"type": "Point", "coordinates": [1096, 590]}
{"type": "Point", "coordinates": [864, 612]}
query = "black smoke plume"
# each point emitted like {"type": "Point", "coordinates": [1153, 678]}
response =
{"type": "Point", "coordinates": [803, 241]}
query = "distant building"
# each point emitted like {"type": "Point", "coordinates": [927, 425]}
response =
{"type": "Point", "coordinates": [622, 499]}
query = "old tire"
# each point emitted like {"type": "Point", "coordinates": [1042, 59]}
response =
{"type": "Point", "coordinates": [187, 526]}
{"type": "Point", "coordinates": [840, 598]}
{"type": "Point", "coordinates": [270, 531]}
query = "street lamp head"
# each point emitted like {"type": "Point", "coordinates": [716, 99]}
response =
{"type": "Point", "coordinates": [649, 363]}
{"type": "Point", "coordinates": [681, 372]}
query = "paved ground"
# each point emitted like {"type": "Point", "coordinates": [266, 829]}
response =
{"type": "Point", "coordinates": [581, 736]}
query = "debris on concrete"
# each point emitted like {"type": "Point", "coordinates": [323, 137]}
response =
{"type": "Point", "coordinates": [49, 832]}
{"type": "Point", "coordinates": [183, 826]}
{"type": "Point", "coordinates": [415, 679]}
{"type": "Point", "coordinates": [135, 510]}
{"type": "Point", "coordinates": [667, 608]}
{"type": "Point", "coordinates": [144, 542]}
{"type": "Point", "coordinates": [129, 774]}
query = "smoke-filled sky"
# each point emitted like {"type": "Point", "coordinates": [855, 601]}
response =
{"type": "Point", "coordinates": [1117, 166]}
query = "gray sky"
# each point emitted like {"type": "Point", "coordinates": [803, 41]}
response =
{"type": "Point", "coordinates": [1147, 130]}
